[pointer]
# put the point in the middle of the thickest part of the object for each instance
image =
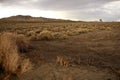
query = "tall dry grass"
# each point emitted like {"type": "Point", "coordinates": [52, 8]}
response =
{"type": "Point", "coordinates": [11, 62]}
{"type": "Point", "coordinates": [46, 35]}
{"type": "Point", "coordinates": [22, 43]}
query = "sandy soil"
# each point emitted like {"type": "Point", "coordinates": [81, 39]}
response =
{"type": "Point", "coordinates": [98, 52]}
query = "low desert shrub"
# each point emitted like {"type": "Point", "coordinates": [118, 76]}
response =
{"type": "Point", "coordinates": [30, 33]}
{"type": "Point", "coordinates": [11, 62]}
{"type": "Point", "coordinates": [70, 33]}
{"type": "Point", "coordinates": [63, 36]}
{"type": "Point", "coordinates": [33, 37]}
{"type": "Point", "coordinates": [64, 61]}
{"type": "Point", "coordinates": [0, 34]}
{"type": "Point", "coordinates": [108, 28]}
{"type": "Point", "coordinates": [37, 31]}
{"type": "Point", "coordinates": [24, 65]}
{"type": "Point", "coordinates": [2, 28]}
{"type": "Point", "coordinates": [60, 36]}
{"type": "Point", "coordinates": [22, 43]}
{"type": "Point", "coordinates": [19, 31]}
{"type": "Point", "coordinates": [46, 35]}
{"type": "Point", "coordinates": [83, 30]}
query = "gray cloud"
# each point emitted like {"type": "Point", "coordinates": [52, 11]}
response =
{"type": "Point", "coordinates": [76, 9]}
{"type": "Point", "coordinates": [71, 4]}
{"type": "Point", "coordinates": [56, 4]}
{"type": "Point", "coordinates": [94, 14]}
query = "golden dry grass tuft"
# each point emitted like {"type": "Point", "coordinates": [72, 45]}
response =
{"type": "Point", "coordinates": [30, 33]}
{"type": "Point", "coordinates": [46, 35]}
{"type": "Point", "coordinates": [33, 38]}
{"type": "Point", "coordinates": [63, 61]}
{"type": "Point", "coordinates": [24, 65]}
{"type": "Point", "coordinates": [11, 62]}
{"type": "Point", "coordinates": [22, 43]}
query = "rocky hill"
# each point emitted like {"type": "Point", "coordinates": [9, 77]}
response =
{"type": "Point", "coordinates": [27, 18]}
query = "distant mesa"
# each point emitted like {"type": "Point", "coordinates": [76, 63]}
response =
{"type": "Point", "coordinates": [27, 18]}
{"type": "Point", "coordinates": [21, 16]}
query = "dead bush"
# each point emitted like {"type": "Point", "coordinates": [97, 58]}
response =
{"type": "Point", "coordinates": [46, 35]}
{"type": "Point", "coordinates": [0, 34]}
{"type": "Point", "coordinates": [64, 61]}
{"type": "Point", "coordinates": [60, 36]}
{"type": "Point", "coordinates": [33, 37]}
{"type": "Point", "coordinates": [24, 65]}
{"type": "Point", "coordinates": [83, 30]}
{"type": "Point", "coordinates": [69, 33]}
{"type": "Point", "coordinates": [63, 36]}
{"type": "Point", "coordinates": [22, 43]}
{"type": "Point", "coordinates": [11, 63]}
{"type": "Point", "coordinates": [30, 33]}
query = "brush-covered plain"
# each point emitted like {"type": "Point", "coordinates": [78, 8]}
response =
{"type": "Point", "coordinates": [60, 50]}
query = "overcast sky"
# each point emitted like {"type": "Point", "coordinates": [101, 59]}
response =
{"type": "Point", "coordinates": [108, 10]}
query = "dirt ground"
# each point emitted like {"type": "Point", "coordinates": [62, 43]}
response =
{"type": "Point", "coordinates": [98, 52]}
{"type": "Point", "coordinates": [93, 50]}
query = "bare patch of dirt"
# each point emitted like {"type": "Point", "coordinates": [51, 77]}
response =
{"type": "Point", "coordinates": [98, 53]}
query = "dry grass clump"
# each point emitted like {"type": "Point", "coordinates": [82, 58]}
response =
{"type": "Point", "coordinates": [60, 35]}
{"type": "Point", "coordinates": [69, 33]}
{"type": "Point", "coordinates": [68, 77]}
{"type": "Point", "coordinates": [24, 65]}
{"type": "Point", "coordinates": [2, 28]}
{"type": "Point", "coordinates": [19, 31]}
{"type": "Point", "coordinates": [63, 61]}
{"type": "Point", "coordinates": [45, 35]}
{"type": "Point", "coordinates": [63, 36]}
{"type": "Point", "coordinates": [22, 43]}
{"type": "Point", "coordinates": [37, 31]}
{"type": "Point", "coordinates": [33, 37]}
{"type": "Point", "coordinates": [108, 28]}
{"type": "Point", "coordinates": [0, 34]}
{"type": "Point", "coordinates": [30, 33]}
{"type": "Point", "coordinates": [105, 28]}
{"type": "Point", "coordinates": [83, 30]}
{"type": "Point", "coordinates": [11, 62]}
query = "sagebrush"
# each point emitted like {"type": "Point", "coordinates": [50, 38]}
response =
{"type": "Point", "coordinates": [11, 61]}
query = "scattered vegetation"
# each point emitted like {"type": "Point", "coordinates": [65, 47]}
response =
{"type": "Point", "coordinates": [11, 61]}
{"type": "Point", "coordinates": [80, 38]}
{"type": "Point", "coordinates": [53, 31]}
